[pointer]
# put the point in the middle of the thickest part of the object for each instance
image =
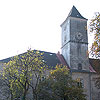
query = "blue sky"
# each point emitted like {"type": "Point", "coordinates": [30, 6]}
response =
{"type": "Point", "coordinates": [36, 23]}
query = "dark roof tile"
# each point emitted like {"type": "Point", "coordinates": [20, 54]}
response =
{"type": "Point", "coordinates": [75, 13]}
{"type": "Point", "coordinates": [50, 59]}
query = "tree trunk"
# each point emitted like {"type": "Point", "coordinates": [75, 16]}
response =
{"type": "Point", "coordinates": [24, 96]}
{"type": "Point", "coordinates": [35, 96]}
{"type": "Point", "coordinates": [11, 96]}
{"type": "Point", "coordinates": [64, 98]}
{"type": "Point", "coordinates": [25, 92]}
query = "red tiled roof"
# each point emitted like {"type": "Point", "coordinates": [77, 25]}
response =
{"type": "Point", "coordinates": [62, 60]}
{"type": "Point", "coordinates": [91, 69]}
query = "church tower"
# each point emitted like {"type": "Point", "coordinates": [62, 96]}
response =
{"type": "Point", "coordinates": [74, 40]}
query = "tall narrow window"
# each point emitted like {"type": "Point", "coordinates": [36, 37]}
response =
{"type": "Point", "coordinates": [80, 82]}
{"type": "Point", "coordinates": [65, 38]}
{"type": "Point", "coordinates": [65, 28]}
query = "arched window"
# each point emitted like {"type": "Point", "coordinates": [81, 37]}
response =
{"type": "Point", "coordinates": [79, 66]}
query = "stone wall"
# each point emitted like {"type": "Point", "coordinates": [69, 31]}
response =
{"type": "Point", "coordinates": [88, 84]}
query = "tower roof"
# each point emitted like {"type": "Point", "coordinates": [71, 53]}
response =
{"type": "Point", "coordinates": [75, 13]}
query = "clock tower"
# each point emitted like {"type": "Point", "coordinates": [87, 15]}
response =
{"type": "Point", "coordinates": [74, 40]}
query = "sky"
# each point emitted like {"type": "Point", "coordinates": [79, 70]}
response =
{"type": "Point", "coordinates": [36, 24]}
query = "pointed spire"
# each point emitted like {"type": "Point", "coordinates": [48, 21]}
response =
{"type": "Point", "coordinates": [75, 13]}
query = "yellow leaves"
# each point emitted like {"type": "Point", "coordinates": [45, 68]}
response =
{"type": "Point", "coordinates": [3, 75]}
{"type": "Point", "coordinates": [78, 79]}
{"type": "Point", "coordinates": [42, 53]}
{"type": "Point", "coordinates": [56, 66]}
{"type": "Point", "coordinates": [36, 59]}
{"type": "Point", "coordinates": [95, 30]}
{"type": "Point", "coordinates": [22, 67]}
{"type": "Point", "coordinates": [60, 69]}
{"type": "Point", "coordinates": [52, 72]}
{"type": "Point", "coordinates": [23, 70]}
{"type": "Point", "coordinates": [37, 52]}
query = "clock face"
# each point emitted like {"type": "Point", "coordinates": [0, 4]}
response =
{"type": "Point", "coordinates": [79, 36]}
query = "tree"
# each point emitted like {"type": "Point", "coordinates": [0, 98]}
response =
{"type": "Point", "coordinates": [95, 49]}
{"type": "Point", "coordinates": [95, 29]}
{"type": "Point", "coordinates": [8, 81]}
{"type": "Point", "coordinates": [24, 71]}
{"type": "Point", "coordinates": [60, 86]}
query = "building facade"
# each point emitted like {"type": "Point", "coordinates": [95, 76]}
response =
{"type": "Point", "coordinates": [74, 54]}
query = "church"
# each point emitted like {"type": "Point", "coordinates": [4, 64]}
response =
{"type": "Point", "coordinates": [74, 53]}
